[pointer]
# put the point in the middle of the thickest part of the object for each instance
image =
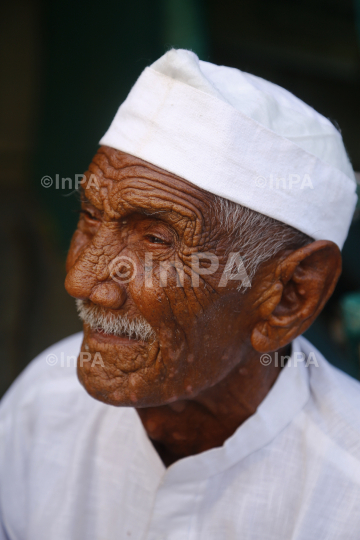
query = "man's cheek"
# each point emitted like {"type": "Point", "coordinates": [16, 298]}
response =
{"type": "Point", "coordinates": [190, 303]}
{"type": "Point", "coordinates": [150, 299]}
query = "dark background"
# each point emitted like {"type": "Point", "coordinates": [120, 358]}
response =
{"type": "Point", "coordinates": [65, 67]}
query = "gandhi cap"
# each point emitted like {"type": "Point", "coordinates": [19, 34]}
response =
{"type": "Point", "coordinates": [242, 138]}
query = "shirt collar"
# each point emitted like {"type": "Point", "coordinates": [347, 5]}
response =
{"type": "Point", "coordinates": [285, 399]}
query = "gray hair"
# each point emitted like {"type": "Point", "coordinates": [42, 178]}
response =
{"type": "Point", "coordinates": [99, 318]}
{"type": "Point", "coordinates": [258, 238]}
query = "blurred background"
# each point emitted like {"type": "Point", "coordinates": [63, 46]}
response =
{"type": "Point", "coordinates": [66, 66]}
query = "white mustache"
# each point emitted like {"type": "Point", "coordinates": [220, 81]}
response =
{"type": "Point", "coordinates": [99, 318]}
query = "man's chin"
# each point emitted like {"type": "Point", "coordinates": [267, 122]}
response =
{"type": "Point", "coordinates": [122, 392]}
{"type": "Point", "coordinates": [102, 390]}
{"type": "Point", "coordinates": [119, 371]}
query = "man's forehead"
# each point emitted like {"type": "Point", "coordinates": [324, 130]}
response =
{"type": "Point", "coordinates": [146, 207]}
{"type": "Point", "coordinates": [119, 179]}
{"type": "Point", "coordinates": [115, 165]}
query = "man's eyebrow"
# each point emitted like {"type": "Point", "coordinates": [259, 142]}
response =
{"type": "Point", "coordinates": [168, 214]}
{"type": "Point", "coordinates": [149, 212]}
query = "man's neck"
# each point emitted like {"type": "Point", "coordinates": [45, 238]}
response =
{"type": "Point", "coordinates": [188, 427]}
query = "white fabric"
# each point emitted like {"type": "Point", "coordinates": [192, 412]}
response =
{"type": "Point", "coordinates": [240, 137]}
{"type": "Point", "coordinates": [73, 468]}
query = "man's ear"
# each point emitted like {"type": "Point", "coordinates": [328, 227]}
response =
{"type": "Point", "coordinates": [302, 284]}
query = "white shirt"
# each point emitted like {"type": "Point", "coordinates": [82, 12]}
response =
{"type": "Point", "coordinates": [72, 468]}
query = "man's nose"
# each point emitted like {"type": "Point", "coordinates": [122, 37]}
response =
{"type": "Point", "coordinates": [109, 295]}
{"type": "Point", "coordinates": [88, 279]}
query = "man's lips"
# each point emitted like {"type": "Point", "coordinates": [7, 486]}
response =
{"type": "Point", "coordinates": [102, 337]}
{"type": "Point", "coordinates": [130, 354]}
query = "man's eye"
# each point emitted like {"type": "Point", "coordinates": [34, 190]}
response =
{"type": "Point", "coordinates": [88, 215]}
{"type": "Point", "coordinates": [155, 239]}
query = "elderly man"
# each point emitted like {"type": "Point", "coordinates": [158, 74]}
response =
{"type": "Point", "coordinates": [209, 239]}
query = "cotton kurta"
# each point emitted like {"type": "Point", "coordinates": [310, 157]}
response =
{"type": "Point", "coordinates": [74, 468]}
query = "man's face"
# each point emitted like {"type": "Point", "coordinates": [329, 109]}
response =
{"type": "Point", "coordinates": [142, 222]}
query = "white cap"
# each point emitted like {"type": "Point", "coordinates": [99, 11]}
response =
{"type": "Point", "coordinates": [240, 137]}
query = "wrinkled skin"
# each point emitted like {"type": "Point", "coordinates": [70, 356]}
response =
{"type": "Point", "coordinates": [201, 377]}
